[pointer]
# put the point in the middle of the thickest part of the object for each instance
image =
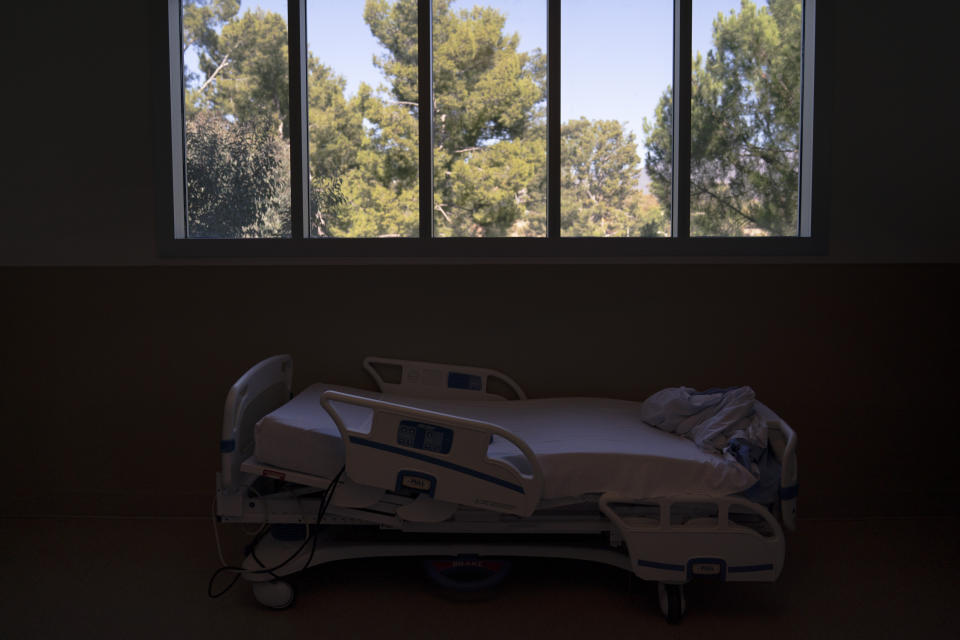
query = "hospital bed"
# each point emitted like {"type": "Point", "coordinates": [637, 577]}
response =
{"type": "Point", "coordinates": [453, 462]}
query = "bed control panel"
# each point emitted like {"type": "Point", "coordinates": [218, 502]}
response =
{"type": "Point", "coordinates": [427, 437]}
{"type": "Point", "coordinates": [416, 482]}
{"type": "Point", "coordinates": [707, 567]}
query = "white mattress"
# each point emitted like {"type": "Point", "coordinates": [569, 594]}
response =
{"type": "Point", "coordinates": [583, 445]}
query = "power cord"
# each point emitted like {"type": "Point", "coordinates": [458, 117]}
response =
{"type": "Point", "coordinates": [251, 548]}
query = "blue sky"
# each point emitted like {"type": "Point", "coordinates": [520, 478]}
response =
{"type": "Point", "coordinates": [615, 64]}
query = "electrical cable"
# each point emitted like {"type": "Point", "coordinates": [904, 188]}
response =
{"type": "Point", "coordinates": [324, 503]}
{"type": "Point", "coordinates": [216, 532]}
{"type": "Point", "coordinates": [313, 547]}
{"type": "Point", "coordinates": [238, 571]}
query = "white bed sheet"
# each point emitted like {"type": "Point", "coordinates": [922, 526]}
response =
{"type": "Point", "coordinates": [583, 445]}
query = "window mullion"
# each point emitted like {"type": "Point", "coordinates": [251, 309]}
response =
{"type": "Point", "coordinates": [804, 217]}
{"type": "Point", "coordinates": [553, 119]}
{"type": "Point", "coordinates": [425, 113]}
{"type": "Point", "coordinates": [177, 130]}
{"type": "Point", "coordinates": [682, 61]}
{"type": "Point", "coordinates": [299, 162]}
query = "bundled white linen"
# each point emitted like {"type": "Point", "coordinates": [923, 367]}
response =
{"type": "Point", "coordinates": [720, 421]}
{"type": "Point", "coordinates": [712, 419]}
{"type": "Point", "coordinates": [583, 445]}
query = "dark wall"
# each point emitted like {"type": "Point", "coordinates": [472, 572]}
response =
{"type": "Point", "coordinates": [117, 375]}
{"type": "Point", "coordinates": [116, 362]}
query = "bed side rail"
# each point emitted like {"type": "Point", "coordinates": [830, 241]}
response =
{"type": "Point", "coordinates": [434, 380]}
{"type": "Point", "coordinates": [737, 540]}
{"type": "Point", "coordinates": [441, 456]}
{"type": "Point", "coordinates": [263, 388]}
{"type": "Point", "coordinates": [720, 520]}
{"type": "Point", "coordinates": [783, 440]}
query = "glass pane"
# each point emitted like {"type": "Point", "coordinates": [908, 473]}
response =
{"type": "Point", "coordinates": [363, 115]}
{"type": "Point", "coordinates": [489, 83]}
{"type": "Point", "coordinates": [745, 128]}
{"type": "Point", "coordinates": [237, 119]}
{"type": "Point", "coordinates": [617, 127]}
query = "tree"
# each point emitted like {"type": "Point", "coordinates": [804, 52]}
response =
{"type": "Point", "coordinates": [489, 139]}
{"type": "Point", "coordinates": [245, 64]}
{"type": "Point", "coordinates": [335, 135]}
{"type": "Point", "coordinates": [238, 178]}
{"type": "Point", "coordinates": [237, 118]}
{"type": "Point", "coordinates": [745, 126]}
{"type": "Point", "coordinates": [489, 135]}
{"type": "Point", "coordinates": [600, 183]}
{"type": "Point", "coordinates": [236, 128]}
{"type": "Point", "coordinates": [202, 22]}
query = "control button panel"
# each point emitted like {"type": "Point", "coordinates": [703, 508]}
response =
{"type": "Point", "coordinates": [415, 482]}
{"type": "Point", "coordinates": [427, 437]}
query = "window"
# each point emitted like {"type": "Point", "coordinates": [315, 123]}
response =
{"type": "Point", "coordinates": [606, 129]}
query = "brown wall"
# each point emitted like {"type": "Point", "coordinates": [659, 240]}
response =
{"type": "Point", "coordinates": [117, 376]}
{"type": "Point", "coordinates": [116, 362]}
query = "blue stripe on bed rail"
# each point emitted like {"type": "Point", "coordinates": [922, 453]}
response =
{"type": "Point", "coordinates": [227, 446]}
{"type": "Point", "coordinates": [789, 493]}
{"type": "Point", "coordinates": [660, 565]}
{"type": "Point", "coordinates": [437, 461]}
{"type": "Point", "coordinates": [750, 567]}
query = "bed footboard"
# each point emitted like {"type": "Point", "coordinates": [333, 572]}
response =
{"type": "Point", "coordinates": [431, 454]}
{"type": "Point", "coordinates": [783, 441]}
{"type": "Point", "coordinates": [674, 539]}
{"type": "Point", "coordinates": [263, 388]}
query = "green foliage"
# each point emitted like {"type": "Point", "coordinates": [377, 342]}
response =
{"type": "Point", "coordinates": [493, 190]}
{"type": "Point", "coordinates": [246, 68]}
{"type": "Point", "coordinates": [335, 125]}
{"type": "Point", "coordinates": [238, 179]}
{"type": "Point", "coordinates": [489, 131]}
{"type": "Point", "coordinates": [745, 121]}
{"type": "Point", "coordinates": [202, 20]}
{"type": "Point", "coordinates": [335, 136]}
{"type": "Point", "coordinates": [600, 183]}
{"type": "Point", "coordinates": [489, 134]}
{"type": "Point", "coordinates": [489, 138]}
{"type": "Point", "coordinates": [395, 26]}
{"type": "Point", "coordinates": [659, 145]}
{"type": "Point", "coordinates": [237, 123]}
{"type": "Point", "coordinates": [326, 203]}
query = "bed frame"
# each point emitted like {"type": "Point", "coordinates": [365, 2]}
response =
{"type": "Point", "coordinates": [409, 494]}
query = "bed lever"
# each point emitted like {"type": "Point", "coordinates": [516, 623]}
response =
{"type": "Point", "coordinates": [351, 495]}
{"type": "Point", "coordinates": [426, 509]}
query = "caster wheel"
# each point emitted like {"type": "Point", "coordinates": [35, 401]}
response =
{"type": "Point", "coordinates": [672, 602]}
{"type": "Point", "coordinates": [275, 594]}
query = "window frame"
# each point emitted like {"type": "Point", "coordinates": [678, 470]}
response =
{"type": "Point", "coordinates": [171, 237]}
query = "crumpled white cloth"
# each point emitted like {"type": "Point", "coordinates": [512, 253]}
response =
{"type": "Point", "coordinates": [710, 418]}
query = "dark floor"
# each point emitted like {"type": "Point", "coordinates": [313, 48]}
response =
{"type": "Point", "coordinates": [147, 578]}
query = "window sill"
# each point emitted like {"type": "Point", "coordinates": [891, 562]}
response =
{"type": "Point", "coordinates": [489, 250]}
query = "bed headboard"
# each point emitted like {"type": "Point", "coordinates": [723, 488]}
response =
{"type": "Point", "coordinates": [433, 380]}
{"type": "Point", "coordinates": [263, 388]}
